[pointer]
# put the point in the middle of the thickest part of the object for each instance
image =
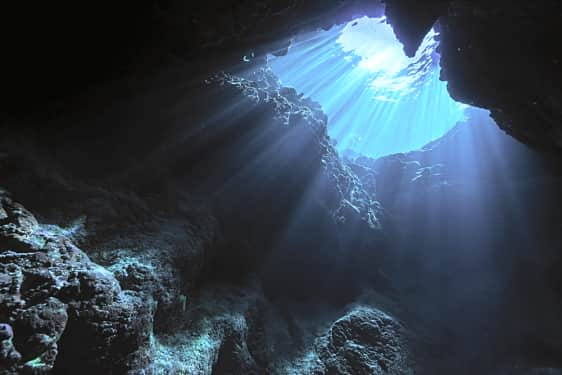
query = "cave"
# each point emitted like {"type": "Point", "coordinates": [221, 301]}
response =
{"type": "Point", "coordinates": [281, 187]}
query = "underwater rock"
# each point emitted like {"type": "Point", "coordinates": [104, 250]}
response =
{"type": "Point", "coordinates": [9, 356]}
{"type": "Point", "coordinates": [60, 311]}
{"type": "Point", "coordinates": [236, 330]}
{"type": "Point", "coordinates": [164, 263]}
{"type": "Point", "coordinates": [16, 226]}
{"type": "Point", "coordinates": [221, 335]}
{"type": "Point", "coordinates": [364, 341]}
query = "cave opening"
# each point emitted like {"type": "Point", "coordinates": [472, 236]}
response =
{"type": "Point", "coordinates": [218, 210]}
{"type": "Point", "coordinates": [378, 100]}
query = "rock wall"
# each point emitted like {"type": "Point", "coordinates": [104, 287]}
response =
{"type": "Point", "coordinates": [53, 297]}
{"type": "Point", "coordinates": [500, 55]}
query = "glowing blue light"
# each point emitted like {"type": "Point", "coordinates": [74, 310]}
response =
{"type": "Point", "coordinates": [377, 99]}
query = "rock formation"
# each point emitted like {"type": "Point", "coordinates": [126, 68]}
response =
{"type": "Point", "coordinates": [53, 296]}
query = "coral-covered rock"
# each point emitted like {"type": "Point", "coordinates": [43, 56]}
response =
{"type": "Point", "coordinates": [221, 335]}
{"type": "Point", "coordinates": [59, 310]}
{"type": "Point", "coordinates": [364, 341]}
{"type": "Point", "coordinates": [17, 226]}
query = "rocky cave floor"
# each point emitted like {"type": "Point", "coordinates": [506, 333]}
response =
{"type": "Point", "coordinates": [247, 245]}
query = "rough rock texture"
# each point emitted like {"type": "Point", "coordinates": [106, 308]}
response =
{"type": "Point", "coordinates": [237, 330]}
{"type": "Point", "coordinates": [182, 188]}
{"type": "Point", "coordinates": [361, 339]}
{"type": "Point", "coordinates": [364, 341]}
{"type": "Point", "coordinates": [222, 334]}
{"type": "Point", "coordinates": [53, 297]}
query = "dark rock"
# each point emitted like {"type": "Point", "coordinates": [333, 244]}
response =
{"type": "Point", "coordinates": [364, 341]}
{"type": "Point", "coordinates": [412, 20]}
{"type": "Point", "coordinates": [219, 336]}
{"type": "Point", "coordinates": [215, 35]}
{"type": "Point", "coordinates": [501, 55]}
{"type": "Point", "coordinates": [504, 56]}
{"type": "Point", "coordinates": [17, 227]}
{"type": "Point", "coordinates": [9, 356]}
{"type": "Point", "coordinates": [63, 312]}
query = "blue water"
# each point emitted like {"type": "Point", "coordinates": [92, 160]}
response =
{"type": "Point", "coordinates": [377, 99]}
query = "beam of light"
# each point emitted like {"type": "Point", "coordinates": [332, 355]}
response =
{"type": "Point", "coordinates": [378, 100]}
{"type": "Point", "coordinates": [469, 220]}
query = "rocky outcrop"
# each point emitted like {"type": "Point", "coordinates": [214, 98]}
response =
{"type": "Point", "coordinates": [412, 20]}
{"type": "Point", "coordinates": [236, 330]}
{"type": "Point", "coordinates": [520, 81]}
{"type": "Point", "coordinates": [222, 334]}
{"type": "Point", "coordinates": [61, 312]}
{"type": "Point", "coordinates": [500, 55]}
{"type": "Point", "coordinates": [364, 341]}
{"type": "Point", "coordinates": [187, 187]}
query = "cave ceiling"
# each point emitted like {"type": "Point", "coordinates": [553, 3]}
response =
{"type": "Point", "coordinates": [501, 55]}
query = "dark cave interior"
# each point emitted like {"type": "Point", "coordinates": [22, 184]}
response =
{"type": "Point", "coordinates": [167, 206]}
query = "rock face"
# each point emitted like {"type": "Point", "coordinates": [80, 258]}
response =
{"type": "Point", "coordinates": [222, 335]}
{"type": "Point", "coordinates": [500, 55]}
{"type": "Point", "coordinates": [61, 312]}
{"type": "Point", "coordinates": [361, 339]}
{"type": "Point", "coordinates": [364, 341]}
{"type": "Point", "coordinates": [236, 330]}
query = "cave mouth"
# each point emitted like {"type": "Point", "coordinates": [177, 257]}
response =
{"type": "Point", "coordinates": [378, 100]}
